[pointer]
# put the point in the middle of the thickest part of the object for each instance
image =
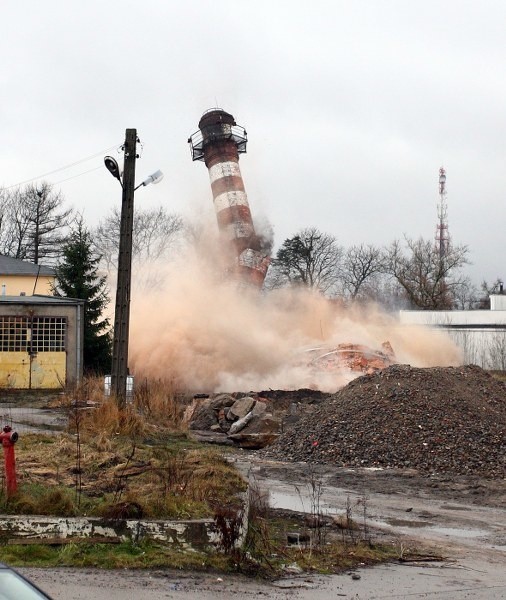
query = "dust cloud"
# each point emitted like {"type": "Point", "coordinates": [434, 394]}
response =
{"type": "Point", "coordinates": [202, 333]}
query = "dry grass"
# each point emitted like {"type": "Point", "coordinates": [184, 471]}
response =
{"type": "Point", "coordinates": [163, 480]}
{"type": "Point", "coordinates": [156, 406]}
{"type": "Point", "coordinates": [110, 460]}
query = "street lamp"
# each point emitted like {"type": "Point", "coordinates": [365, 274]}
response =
{"type": "Point", "coordinates": [119, 370]}
{"type": "Point", "coordinates": [155, 178]}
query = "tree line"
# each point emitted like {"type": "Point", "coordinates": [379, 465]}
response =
{"type": "Point", "coordinates": [35, 225]}
{"type": "Point", "coordinates": [406, 274]}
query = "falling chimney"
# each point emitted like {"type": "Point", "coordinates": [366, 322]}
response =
{"type": "Point", "coordinates": [218, 143]}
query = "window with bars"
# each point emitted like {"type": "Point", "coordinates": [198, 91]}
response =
{"type": "Point", "coordinates": [32, 334]}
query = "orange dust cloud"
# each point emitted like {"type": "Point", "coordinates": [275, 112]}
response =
{"type": "Point", "coordinates": [203, 333]}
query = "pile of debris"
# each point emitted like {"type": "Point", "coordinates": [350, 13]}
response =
{"type": "Point", "coordinates": [438, 420]}
{"type": "Point", "coordinates": [252, 420]}
{"type": "Point", "coordinates": [228, 419]}
{"type": "Point", "coordinates": [352, 357]}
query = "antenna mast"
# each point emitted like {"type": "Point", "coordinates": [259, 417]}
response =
{"type": "Point", "coordinates": [442, 233]}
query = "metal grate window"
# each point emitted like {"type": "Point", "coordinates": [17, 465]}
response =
{"type": "Point", "coordinates": [48, 334]}
{"type": "Point", "coordinates": [36, 334]}
{"type": "Point", "coordinates": [14, 334]}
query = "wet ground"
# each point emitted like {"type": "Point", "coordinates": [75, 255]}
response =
{"type": "Point", "coordinates": [444, 581]}
{"type": "Point", "coordinates": [461, 519]}
{"type": "Point", "coordinates": [25, 419]}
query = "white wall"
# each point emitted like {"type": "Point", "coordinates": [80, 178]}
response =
{"type": "Point", "coordinates": [480, 334]}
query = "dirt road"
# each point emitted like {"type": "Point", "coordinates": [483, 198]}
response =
{"type": "Point", "coordinates": [462, 519]}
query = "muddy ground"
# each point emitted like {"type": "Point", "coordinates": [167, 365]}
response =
{"type": "Point", "coordinates": [403, 482]}
{"type": "Point", "coordinates": [460, 519]}
{"type": "Point", "coordinates": [417, 445]}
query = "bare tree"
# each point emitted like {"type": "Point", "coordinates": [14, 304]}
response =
{"type": "Point", "coordinates": [428, 280]}
{"type": "Point", "coordinates": [488, 289]}
{"type": "Point", "coordinates": [4, 215]}
{"type": "Point", "coordinates": [33, 222]}
{"type": "Point", "coordinates": [155, 233]}
{"type": "Point", "coordinates": [466, 296]}
{"type": "Point", "coordinates": [497, 351]}
{"type": "Point", "coordinates": [360, 264]}
{"type": "Point", "coordinates": [311, 258]}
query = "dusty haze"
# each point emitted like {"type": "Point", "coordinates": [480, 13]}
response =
{"type": "Point", "coordinates": [205, 334]}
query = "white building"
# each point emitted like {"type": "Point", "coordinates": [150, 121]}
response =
{"type": "Point", "coordinates": [480, 334]}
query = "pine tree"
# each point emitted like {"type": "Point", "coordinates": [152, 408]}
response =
{"type": "Point", "coordinates": [77, 277]}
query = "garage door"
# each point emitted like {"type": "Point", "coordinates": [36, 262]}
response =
{"type": "Point", "coordinates": [32, 352]}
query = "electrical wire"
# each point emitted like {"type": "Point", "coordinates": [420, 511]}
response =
{"type": "Point", "coordinates": [78, 175]}
{"type": "Point", "coordinates": [77, 162]}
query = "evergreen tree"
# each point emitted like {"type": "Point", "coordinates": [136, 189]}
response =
{"type": "Point", "coordinates": [77, 277]}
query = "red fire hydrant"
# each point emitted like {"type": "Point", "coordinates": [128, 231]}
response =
{"type": "Point", "coordinates": [9, 438]}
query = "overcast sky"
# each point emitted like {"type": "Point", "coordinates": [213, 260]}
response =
{"type": "Point", "coordinates": [350, 106]}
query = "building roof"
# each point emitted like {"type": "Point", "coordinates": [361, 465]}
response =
{"type": "Point", "coordinates": [16, 266]}
{"type": "Point", "coordinates": [39, 299]}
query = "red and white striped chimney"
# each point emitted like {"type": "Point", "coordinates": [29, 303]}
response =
{"type": "Point", "coordinates": [218, 143]}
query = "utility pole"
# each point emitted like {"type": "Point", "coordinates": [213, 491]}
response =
{"type": "Point", "coordinates": [119, 371]}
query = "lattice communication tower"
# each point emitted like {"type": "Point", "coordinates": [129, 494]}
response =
{"type": "Point", "coordinates": [442, 233]}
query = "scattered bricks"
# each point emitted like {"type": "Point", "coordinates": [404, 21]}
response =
{"type": "Point", "coordinates": [355, 357]}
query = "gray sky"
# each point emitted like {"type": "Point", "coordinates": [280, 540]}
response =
{"type": "Point", "coordinates": [351, 107]}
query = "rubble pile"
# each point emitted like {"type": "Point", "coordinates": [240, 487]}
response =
{"type": "Point", "coordinates": [353, 357]}
{"type": "Point", "coordinates": [228, 419]}
{"type": "Point", "coordinates": [439, 420]}
{"type": "Point", "coordinates": [248, 420]}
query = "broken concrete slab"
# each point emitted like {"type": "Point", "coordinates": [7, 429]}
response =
{"type": "Point", "coordinates": [222, 401]}
{"type": "Point", "coordinates": [253, 441]}
{"type": "Point", "coordinates": [241, 423]}
{"type": "Point", "coordinates": [242, 407]}
{"type": "Point", "coordinates": [210, 437]}
{"type": "Point", "coordinates": [203, 416]}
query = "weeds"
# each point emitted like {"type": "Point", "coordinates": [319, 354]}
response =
{"type": "Point", "coordinates": [38, 499]}
{"type": "Point", "coordinates": [130, 464]}
{"type": "Point", "coordinates": [228, 520]}
{"type": "Point", "coordinates": [315, 521]}
{"type": "Point", "coordinates": [165, 480]}
{"type": "Point", "coordinates": [145, 555]}
{"type": "Point", "coordinates": [258, 539]}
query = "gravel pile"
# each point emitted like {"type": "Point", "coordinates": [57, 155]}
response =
{"type": "Point", "coordinates": [439, 420]}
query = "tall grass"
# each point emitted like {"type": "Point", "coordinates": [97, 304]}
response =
{"type": "Point", "coordinates": [155, 405]}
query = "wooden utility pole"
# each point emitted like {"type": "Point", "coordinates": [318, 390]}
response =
{"type": "Point", "coordinates": [119, 371]}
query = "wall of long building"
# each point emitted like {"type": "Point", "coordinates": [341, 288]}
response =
{"type": "Point", "coordinates": [480, 334]}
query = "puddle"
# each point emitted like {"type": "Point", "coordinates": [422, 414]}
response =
{"type": "Point", "coordinates": [453, 507]}
{"type": "Point", "coordinates": [459, 533]}
{"type": "Point", "coordinates": [27, 420]}
{"type": "Point", "coordinates": [404, 523]}
{"type": "Point", "coordinates": [455, 532]}
{"type": "Point", "coordinates": [287, 501]}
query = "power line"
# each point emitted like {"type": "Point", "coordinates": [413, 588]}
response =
{"type": "Point", "coordinates": [77, 162]}
{"type": "Point", "coordinates": [79, 174]}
